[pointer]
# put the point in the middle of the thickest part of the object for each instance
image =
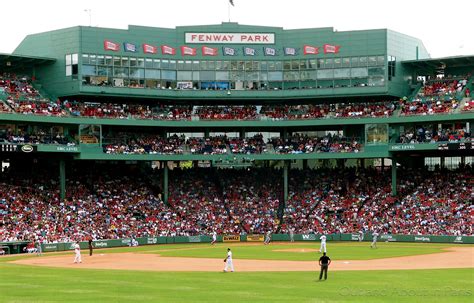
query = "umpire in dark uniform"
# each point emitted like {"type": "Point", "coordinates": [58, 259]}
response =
{"type": "Point", "coordinates": [90, 246]}
{"type": "Point", "coordinates": [324, 262]}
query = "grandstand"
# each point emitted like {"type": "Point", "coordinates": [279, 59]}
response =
{"type": "Point", "coordinates": [127, 133]}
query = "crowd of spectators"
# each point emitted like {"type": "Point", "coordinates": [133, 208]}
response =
{"type": "Point", "coordinates": [4, 108]}
{"type": "Point", "coordinates": [133, 144]}
{"type": "Point", "coordinates": [39, 137]}
{"type": "Point", "coordinates": [253, 145]}
{"type": "Point", "coordinates": [248, 112]}
{"type": "Point", "coordinates": [109, 204]}
{"type": "Point", "coordinates": [431, 135]}
{"type": "Point", "coordinates": [208, 146]}
{"type": "Point", "coordinates": [301, 144]}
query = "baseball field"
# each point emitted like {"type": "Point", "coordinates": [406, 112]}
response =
{"type": "Point", "coordinates": [280, 272]}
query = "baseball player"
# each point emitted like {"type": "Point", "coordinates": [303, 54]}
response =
{"type": "Point", "coordinates": [292, 234]}
{"type": "Point", "coordinates": [374, 239]}
{"type": "Point", "coordinates": [214, 238]}
{"type": "Point", "coordinates": [38, 247]}
{"type": "Point", "coordinates": [228, 261]}
{"type": "Point", "coordinates": [268, 237]}
{"type": "Point", "coordinates": [322, 249]}
{"type": "Point", "coordinates": [77, 251]}
{"type": "Point", "coordinates": [361, 235]}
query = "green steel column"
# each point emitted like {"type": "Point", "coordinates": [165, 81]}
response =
{"type": "Point", "coordinates": [394, 177]}
{"type": "Point", "coordinates": [62, 178]}
{"type": "Point", "coordinates": [285, 181]}
{"type": "Point", "coordinates": [165, 182]}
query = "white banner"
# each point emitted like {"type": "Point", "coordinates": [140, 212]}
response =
{"type": "Point", "coordinates": [231, 38]}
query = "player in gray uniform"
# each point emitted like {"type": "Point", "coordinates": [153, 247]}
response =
{"type": "Point", "coordinates": [361, 235]}
{"type": "Point", "coordinates": [374, 239]}
{"type": "Point", "coordinates": [292, 234]}
{"type": "Point", "coordinates": [268, 237]}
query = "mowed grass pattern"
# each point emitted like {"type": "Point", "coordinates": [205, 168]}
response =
{"type": "Point", "coordinates": [20, 283]}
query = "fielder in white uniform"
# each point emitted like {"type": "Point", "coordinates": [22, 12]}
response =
{"type": "Point", "coordinates": [77, 251]}
{"type": "Point", "coordinates": [374, 239]}
{"type": "Point", "coordinates": [361, 235]}
{"type": "Point", "coordinates": [268, 237]}
{"type": "Point", "coordinates": [228, 261]}
{"type": "Point", "coordinates": [214, 238]}
{"type": "Point", "coordinates": [322, 249]}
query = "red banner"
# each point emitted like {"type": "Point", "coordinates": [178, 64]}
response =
{"type": "Point", "coordinates": [310, 50]}
{"type": "Point", "coordinates": [168, 50]}
{"type": "Point", "coordinates": [188, 51]}
{"type": "Point", "coordinates": [209, 51]}
{"type": "Point", "coordinates": [149, 49]}
{"type": "Point", "coordinates": [331, 49]}
{"type": "Point", "coordinates": [109, 45]}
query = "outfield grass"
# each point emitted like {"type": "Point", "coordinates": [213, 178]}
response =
{"type": "Point", "coordinates": [19, 283]}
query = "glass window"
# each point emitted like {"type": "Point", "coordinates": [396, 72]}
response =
{"type": "Point", "coordinates": [240, 65]}
{"type": "Point", "coordinates": [226, 65]}
{"type": "Point", "coordinates": [329, 63]}
{"type": "Point", "coordinates": [125, 61]}
{"type": "Point", "coordinates": [180, 66]}
{"type": "Point", "coordinates": [165, 64]}
{"type": "Point", "coordinates": [337, 62]}
{"type": "Point", "coordinates": [287, 65]}
{"type": "Point", "coordinates": [278, 65]}
{"type": "Point", "coordinates": [320, 63]}
{"type": "Point", "coordinates": [376, 133]}
{"type": "Point", "coordinates": [295, 64]}
{"type": "Point", "coordinates": [188, 65]}
{"type": "Point", "coordinates": [168, 75]}
{"type": "Point", "coordinates": [304, 64]}
{"type": "Point", "coordinates": [312, 64]}
{"type": "Point", "coordinates": [291, 76]}
{"type": "Point", "coordinates": [211, 65]}
{"type": "Point", "coordinates": [248, 65]}
{"type": "Point", "coordinates": [263, 65]}
{"type": "Point", "coordinates": [104, 71]}
{"type": "Point", "coordinates": [363, 61]}
{"type": "Point", "coordinates": [218, 65]}
{"type": "Point", "coordinates": [381, 60]}
{"type": "Point", "coordinates": [85, 59]}
{"type": "Point", "coordinates": [222, 76]}
{"type": "Point", "coordinates": [117, 61]}
{"type": "Point", "coordinates": [68, 70]}
{"type": "Point", "coordinates": [325, 74]}
{"type": "Point", "coordinates": [346, 62]}
{"type": "Point", "coordinates": [237, 76]}
{"type": "Point", "coordinates": [121, 72]}
{"type": "Point", "coordinates": [108, 60]}
{"type": "Point", "coordinates": [100, 60]}
{"type": "Point", "coordinates": [342, 73]}
{"type": "Point", "coordinates": [196, 76]}
{"type": "Point", "coordinates": [372, 61]}
{"type": "Point", "coordinates": [203, 65]}
{"type": "Point", "coordinates": [89, 70]}
{"type": "Point", "coordinates": [75, 59]}
{"type": "Point", "coordinates": [137, 73]}
{"type": "Point", "coordinates": [172, 64]}
{"type": "Point", "coordinates": [207, 75]}
{"type": "Point", "coordinates": [376, 71]}
{"type": "Point", "coordinates": [271, 65]}
{"type": "Point", "coordinates": [156, 63]}
{"type": "Point", "coordinates": [93, 59]}
{"type": "Point", "coordinates": [68, 59]}
{"type": "Point", "coordinates": [233, 65]}
{"type": "Point", "coordinates": [256, 65]}
{"type": "Point", "coordinates": [360, 72]}
{"type": "Point", "coordinates": [195, 65]}
{"type": "Point", "coordinates": [148, 63]}
{"type": "Point", "coordinates": [185, 75]}
{"type": "Point", "coordinates": [133, 62]}
{"type": "Point", "coordinates": [152, 74]}
{"type": "Point", "coordinates": [252, 76]}
{"type": "Point", "coordinates": [355, 61]}
{"type": "Point", "coordinates": [275, 76]}
{"type": "Point", "coordinates": [140, 62]}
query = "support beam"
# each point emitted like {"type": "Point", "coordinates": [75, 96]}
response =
{"type": "Point", "coordinates": [394, 177]}
{"type": "Point", "coordinates": [165, 182]}
{"type": "Point", "coordinates": [286, 165]}
{"type": "Point", "coordinates": [62, 179]}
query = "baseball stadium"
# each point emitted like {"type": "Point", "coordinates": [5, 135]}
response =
{"type": "Point", "coordinates": [134, 161]}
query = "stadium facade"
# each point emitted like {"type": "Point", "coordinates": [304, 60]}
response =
{"type": "Point", "coordinates": [238, 65]}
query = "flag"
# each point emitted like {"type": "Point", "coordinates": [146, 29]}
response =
{"type": "Point", "coordinates": [269, 51]}
{"type": "Point", "coordinates": [209, 51]}
{"type": "Point", "coordinates": [229, 51]}
{"type": "Point", "coordinates": [149, 49]}
{"type": "Point", "coordinates": [168, 50]}
{"type": "Point", "coordinates": [129, 47]}
{"type": "Point", "coordinates": [248, 51]}
{"type": "Point", "coordinates": [310, 50]}
{"type": "Point", "coordinates": [188, 51]}
{"type": "Point", "coordinates": [331, 49]}
{"type": "Point", "coordinates": [290, 51]}
{"type": "Point", "coordinates": [109, 45]}
{"type": "Point", "coordinates": [231, 2]}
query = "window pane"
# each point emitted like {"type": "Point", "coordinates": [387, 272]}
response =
{"type": "Point", "coordinates": [152, 74]}
{"type": "Point", "coordinates": [275, 76]}
{"type": "Point", "coordinates": [222, 76]}
{"type": "Point", "coordinates": [100, 60]}
{"type": "Point", "coordinates": [75, 59]}
{"type": "Point", "coordinates": [85, 59]}
{"type": "Point", "coordinates": [185, 75]}
{"type": "Point", "coordinates": [168, 74]}
{"type": "Point", "coordinates": [156, 63]}
{"type": "Point", "coordinates": [89, 70]}
{"type": "Point", "coordinates": [68, 60]}
{"type": "Point", "coordinates": [149, 63]}
{"type": "Point", "coordinates": [108, 60]}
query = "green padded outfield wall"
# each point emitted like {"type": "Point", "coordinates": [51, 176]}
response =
{"type": "Point", "coordinates": [90, 40]}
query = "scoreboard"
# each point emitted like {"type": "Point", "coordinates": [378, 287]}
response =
{"type": "Point", "coordinates": [456, 146]}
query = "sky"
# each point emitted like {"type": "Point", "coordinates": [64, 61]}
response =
{"type": "Point", "coordinates": [444, 27]}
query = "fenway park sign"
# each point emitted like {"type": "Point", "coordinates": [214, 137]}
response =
{"type": "Point", "coordinates": [232, 38]}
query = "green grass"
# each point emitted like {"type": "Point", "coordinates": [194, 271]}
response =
{"type": "Point", "coordinates": [19, 283]}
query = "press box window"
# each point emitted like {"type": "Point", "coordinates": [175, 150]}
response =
{"type": "Point", "coordinates": [72, 61]}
